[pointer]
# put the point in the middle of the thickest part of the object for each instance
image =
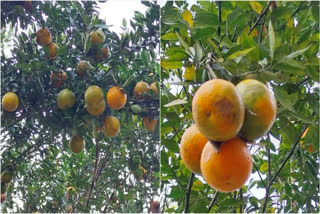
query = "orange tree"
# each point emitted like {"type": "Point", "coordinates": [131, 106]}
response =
{"type": "Point", "coordinates": [272, 41]}
{"type": "Point", "coordinates": [46, 175]}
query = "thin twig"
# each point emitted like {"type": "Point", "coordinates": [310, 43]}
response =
{"type": "Point", "coordinates": [94, 172]}
{"type": "Point", "coordinates": [188, 193]}
{"type": "Point", "coordinates": [255, 166]}
{"type": "Point", "coordinates": [294, 13]}
{"type": "Point", "coordinates": [280, 168]}
{"type": "Point", "coordinates": [264, 12]}
{"type": "Point", "coordinates": [215, 196]}
{"type": "Point", "coordinates": [298, 84]}
{"type": "Point", "coordinates": [219, 14]}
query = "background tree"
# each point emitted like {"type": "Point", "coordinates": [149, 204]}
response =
{"type": "Point", "coordinates": [272, 41]}
{"type": "Point", "coordinates": [47, 176]}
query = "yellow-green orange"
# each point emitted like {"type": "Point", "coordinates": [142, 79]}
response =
{"type": "Point", "coordinates": [97, 108]}
{"type": "Point", "coordinates": [93, 95]}
{"type": "Point", "coordinates": [191, 146]}
{"type": "Point", "coordinates": [261, 109]}
{"type": "Point", "coordinates": [76, 144]}
{"type": "Point", "coordinates": [97, 37]}
{"type": "Point", "coordinates": [218, 110]}
{"type": "Point", "coordinates": [111, 126]}
{"type": "Point", "coordinates": [229, 168]}
{"type": "Point", "coordinates": [6, 176]}
{"type": "Point", "coordinates": [10, 101]}
{"type": "Point", "coordinates": [82, 68]}
{"type": "Point", "coordinates": [140, 89]}
{"type": "Point", "coordinates": [65, 99]}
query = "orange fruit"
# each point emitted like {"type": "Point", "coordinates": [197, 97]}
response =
{"type": "Point", "coordinates": [218, 110]}
{"type": "Point", "coordinates": [6, 176]}
{"type": "Point", "coordinates": [116, 98]}
{"type": "Point", "coordinates": [191, 146]}
{"type": "Point", "coordinates": [190, 73]}
{"type": "Point", "coordinates": [52, 50]}
{"type": "Point", "coordinates": [229, 168]}
{"type": "Point", "coordinates": [65, 99]}
{"type": "Point", "coordinates": [76, 144]}
{"type": "Point", "coordinates": [97, 37]}
{"type": "Point", "coordinates": [57, 79]}
{"type": "Point", "coordinates": [3, 197]}
{"type": "Point", "coordinates": [96, 109]}
{"type": "Point", "coordinates": [44, 36]}
{"type": "Point", "coordinates": [54, 203]}
{"type": "Point", "coordinates": [82, 68]}
{"type": "Point", "coordinates": [10, 101]}
{"type": "Point", "coordinates": [111, 126]}
{"type": "Point", "coordinates": [28, 5]}
{"type": "Point", "coordinates": [69, 209]}
{"type": "Point", "coordinates": [154, 88]}
{"type": "Point", "coordinates": [102, 53]}
{"type": "Point", "coordinates": [155, 207]}
{"type": "Point", "coordinates": [140, 88]}
{"type": "Point", "coordinates": [260, 109]}
{"type": "Point", "coordinates": [149, 123]}
{"type": "Point", "coordinates": [93, 95]}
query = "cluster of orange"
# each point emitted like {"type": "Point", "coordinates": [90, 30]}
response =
{"type": "Point", "coordinates": [225, 118]}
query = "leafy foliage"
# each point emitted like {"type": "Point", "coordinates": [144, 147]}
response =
{"type": "Point", "coordinates": [35, 138]}
{"type": "Point", "coordinates": [273, 42]}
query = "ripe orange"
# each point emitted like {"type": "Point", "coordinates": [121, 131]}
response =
{"type": "Point", "coordinates": [57, 79]}
{"type": "Point", "coordinates": [140, 88]}
{"type": "Point", "coordinates": [111, 126]}
{"type": "Point", "coordinates": [52, 51]}
{"type": "Point", "coordinates": [96, 109]}
{"type": "Point", "coordinates": [82, 68]}
{"type": "Point", "coordinates": [154, 88]}
{"type": "Point", "coordinates": [102, 54]}
{"type": "Point", "coordinates": [116, 98]}
{"type": "Point", "coordinates": [65, 99]}
{"type": "Point", "coordinates": [229, 168]}
{"type": "Point", "coordinates": [97, 37]}
{"type": "Point", "coordinates": [6, 176]}
{"type": "Point", "coordinates": [218, 110]}
{"type": "Point", "coordinates": [69, 208]}
{"type": "Point", "coordinates": [261, 109]}
{"type": "Point", "coordinates": [76, 144]}
{"type": "Point", "coordinates": [10, 101]}
{"type": "Point", "coordinates": [44, 36]}
{"type": "Point", "coordinates": [191, 146]}
{"type": "Point", "coordinates": [149, 123]}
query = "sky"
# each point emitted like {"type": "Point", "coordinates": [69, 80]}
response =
{"type": "Point", "coordinates": [113, 12]}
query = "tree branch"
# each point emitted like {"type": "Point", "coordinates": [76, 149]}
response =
{"type": "Point", "coordinates": [219, 14]}
{"type": "Point", "coordinates": [215, 196]}
{"type": "Point", "coordinates": [294, 13]}
{"type": "Point", "coordinates": [264, 12]}
{"type": "Point", "coordinates": [255, 166]}
{"type": "Point", "coordinates": [280, 168]}
{"type": "Point", "coordinates": [188, 193]}
{"type": "Point", "coordinates": [94, 172]}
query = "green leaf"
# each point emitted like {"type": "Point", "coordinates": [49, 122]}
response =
{"type": "Point", "coordinates": [286, 100]}
{"type": "Point", "coordinates": [256, 6]}
{"type": "Point", "coordinates": [203, 33]}
{"type": "Point", "coordinates": [184, 43]}
{"type": "Point", "coordinates": [315, 12]}
{"type": "Point", "coordinates": [263, 167]}
{"type": "Point", "coordinates": [176, 102]}
{"type": "Point", "coordinates": [170, 36]}
{"type": "Point", "coordinates": [198, 52]}
{"type": "Point", "coordinates": [197, 185]}
{"type": "Point", "coordinates": [171, 64]}
{"type": "Point", "coordinates": [205, 20]}
{"type": "Point", "coordinates": [240, 53]}
{"type": "Point", "coordinates": [294, 54]}
{"type": "Point", "coordinates": [271, 40]}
